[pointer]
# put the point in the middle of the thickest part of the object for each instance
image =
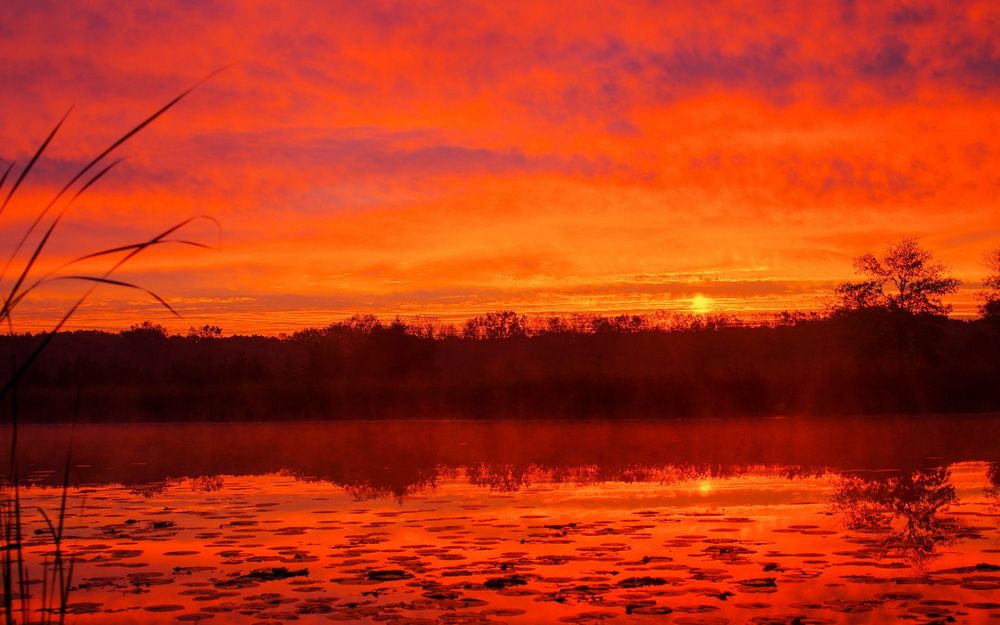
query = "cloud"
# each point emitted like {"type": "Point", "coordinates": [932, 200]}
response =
{"type": "Point", "coordinates": [512, 150]}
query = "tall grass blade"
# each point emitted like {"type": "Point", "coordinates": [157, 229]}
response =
{"type": "Point", "coordinates": [6, 172]}
{"type": "Point", "coordinates": [51, 275]}
{"type": "Point", "coordinates": [48, 336]}
{"type": "Point", "coordinates": [127, 285]}
{"type": "Point", "coordinates": [114, 145]}
{"type": "Point", "coordinates": [5, 311]}
{"type": "Point", "coordinates": [31, 163]}
{"type": "Point", "coordinates": [57, 575]}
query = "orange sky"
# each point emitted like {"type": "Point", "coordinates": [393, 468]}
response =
{"type": "Point", "coordinates": [444, 159]}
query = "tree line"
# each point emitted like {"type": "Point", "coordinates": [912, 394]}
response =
{"type": "Point", "coordinates": [904, 280]}
{"type": "Point", "coordinates": [886, 345]}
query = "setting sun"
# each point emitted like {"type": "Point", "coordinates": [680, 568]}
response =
{"type": "Point", "coordinates": [700, 304]}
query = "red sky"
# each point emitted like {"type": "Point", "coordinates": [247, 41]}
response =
{"type": "Point", "coordinates": [449, 158]}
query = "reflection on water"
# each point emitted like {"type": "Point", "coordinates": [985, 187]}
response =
{"type": "Point", "coordinates": [394, 457]}
{"type": "Point", "coordinates": [905, 511]}
{"type": "Point", "coordinates": [425, 523]}
{"type": "Point", "coordinates": [993, 489]}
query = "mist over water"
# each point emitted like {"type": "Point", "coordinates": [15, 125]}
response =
{"type": "Point", "coordinates": [396, 456]}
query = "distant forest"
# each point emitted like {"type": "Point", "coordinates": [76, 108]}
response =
{"type": "Point", "coordinates": [887, 346]}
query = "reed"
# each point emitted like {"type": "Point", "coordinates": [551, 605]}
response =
{"type": "Point", "coordinates": [28, 598]}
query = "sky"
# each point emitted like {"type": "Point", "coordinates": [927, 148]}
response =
{"type": "Point", "coordinates": [442, 159]}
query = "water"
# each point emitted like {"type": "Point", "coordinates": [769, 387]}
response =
{"type": "Point", "coordinates": [734, 521]}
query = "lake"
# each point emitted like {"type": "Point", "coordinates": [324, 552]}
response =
{"type": "Point", "coordinates": [785, 520]}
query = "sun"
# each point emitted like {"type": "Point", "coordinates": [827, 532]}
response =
{"type": "Point", "coordinates": [701, 304]}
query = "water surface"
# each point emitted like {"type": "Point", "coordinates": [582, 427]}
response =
{"type": "Point", "coordinates": [735, 521]}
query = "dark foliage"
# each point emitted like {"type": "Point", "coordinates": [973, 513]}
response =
{"type": "Point", "coordinates": [869, 361]}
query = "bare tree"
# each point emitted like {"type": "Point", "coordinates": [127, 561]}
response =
{"type": "Point", "coordinates": [904, 279]}
{"type": "Point", "coordinates": [990, 308]}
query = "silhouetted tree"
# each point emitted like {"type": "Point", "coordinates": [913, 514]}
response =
{"type": "Point", "coordinates": [446, 331]}
{"type": "Point", "coordinates": [496, 325]}
{"type": "Point", "coordinates": [362, 324]}
{"type": "Point", "coordinates": [622, 324]}
{"type": "Point", "coordinates": [904, 279]}
{"type": "Point", "coordinates": [556, 325]}
{"type": "Point", "coordinates": [990, 308]}
{"type": "Point", "coordinates": [146, 329]}
{"type": "Point", "coordinates": [146, 338]}
{"type": "Point", "coordinates": [205, 332]}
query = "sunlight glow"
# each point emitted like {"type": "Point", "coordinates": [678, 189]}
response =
{"type": "Point", "coordinates": [701, 304]}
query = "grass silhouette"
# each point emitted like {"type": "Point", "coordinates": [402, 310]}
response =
{"type": "Point", "coordinates": [21, 266]}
